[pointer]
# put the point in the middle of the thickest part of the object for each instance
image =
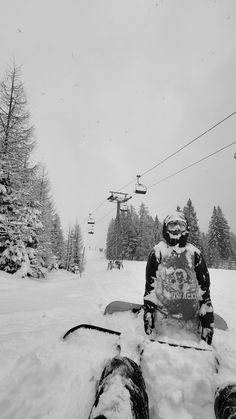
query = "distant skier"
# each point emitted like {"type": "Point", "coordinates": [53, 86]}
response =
{"type": "Point", "coordinates": [177, 289]}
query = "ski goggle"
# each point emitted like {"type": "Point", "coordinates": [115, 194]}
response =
{"type": "Point", "coordinates": [176, 225]}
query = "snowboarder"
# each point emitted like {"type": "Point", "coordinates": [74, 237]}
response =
{"type": "Point", "coordinates": [177, 289]}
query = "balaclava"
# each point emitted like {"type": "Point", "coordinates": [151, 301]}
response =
{"type": "Point", "coordinates": [176, 229]}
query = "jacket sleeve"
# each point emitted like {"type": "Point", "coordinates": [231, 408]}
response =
{"type": "Point", "coordinates": [206, 314]}
{"type": "Point", "coordinates": [149, 293]}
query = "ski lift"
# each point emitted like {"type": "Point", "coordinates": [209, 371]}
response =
{"type": "Point", "coordinates": [235, 155]}
{"type": "Point", "coordinates": [112, 197]}
{"type": "Point", "coordinates": [91, 220]}
{"type": "Point", "coordinates": [91, 230]}
{"type": "Point", "coordinates": [123, 207]}
{"type": "Point", "coordinates": [118, 197]}
{"type": "Point", "coordinates": [139, 187]}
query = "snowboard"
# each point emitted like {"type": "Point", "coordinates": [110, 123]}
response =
{"type": "Point", "coordinates": [121, 386]}
{"type": "Point", "coordinates": [121, 391]}
{"type": "Point", "coordinates": [118, 306]}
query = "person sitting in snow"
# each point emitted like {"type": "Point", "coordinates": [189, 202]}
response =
{"type": "Point", "coordinates": [177, 288]}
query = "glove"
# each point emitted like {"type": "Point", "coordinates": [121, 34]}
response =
{"type": "Point", "coordinates": [207, 335]}
{"type": "Point", "coordinates": [148, 317]}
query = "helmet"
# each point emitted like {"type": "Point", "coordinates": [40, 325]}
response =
{"type": "Point", "coordinates": [176, 229]}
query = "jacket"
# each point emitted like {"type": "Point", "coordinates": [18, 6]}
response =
{"type": "Point", "coordinates": [178, 285]}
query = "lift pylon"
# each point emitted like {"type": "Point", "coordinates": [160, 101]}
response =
{"type": "Point", "coordinates": [118, 197]}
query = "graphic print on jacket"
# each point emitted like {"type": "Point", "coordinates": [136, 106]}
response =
{"type": "Point", "coordinates": [176, 285]}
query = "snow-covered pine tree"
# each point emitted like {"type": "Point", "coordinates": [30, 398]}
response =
{"type": "Point", "coordinates": [204, 241]}
{"type": "Point", "coordinates": [68, 249]}
{"type": "Point", "coordinates": [78, 262]}
{"type": "Point", "coordinates": [194, 230]}
{"type": "Point", "coordinates": [16, 133]}
{"type": "Point", "coordinates": [132, 222]}
{"type": "Point", "coordinates": [58, 241]}
{"type": "Point", "coordinates": [19, 225]}
{"type": "Point", "coordinates": [213, 256]}
{"type": "Point", "coordinates": [157, 230]}
{"type": "Point", "coordinates": [146, 238]}
{"type": "Point", "coordinates": [225, 249]}
{"type": "Point", "coordinates": [233, 247]}
{"type": "Point", "coordinates": [122, 237]}
{"type": "Point", "coordinates": [19, 213]}
{"type": "Point", "coordinates": [219, 246]}
{"type": "Point", "coordinates": [129, 233]}
{"type": "Point", "coordinates": [110, 241]}
{"type": "Point", "coordinates": [75, 261]}
{"type": "Point", "coordinates": [114, 237]}
{"type": "Point", "coordinates": [42, 193]}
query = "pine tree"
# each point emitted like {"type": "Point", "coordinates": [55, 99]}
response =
{"type": "Point", "coordinates": [122, 236]}
{"type": "Point", "coordinates": [114, 240]}
{"type": "Point", "coordinates": [77, 253]}
{"type": "Point", "coordinates": [16, 133]}
{"type": "Point", "coordinates": [232, 265]}
{"type": "Point", "coordinates": [19, 226]}
{"type": "Point", "coordinates": [219, 246]}
{"type": "Point", "coordinates": [194, 230]}
{"type": "Point", "coordinates": [110, 241]}
{"type": "Point", "coordinates": [146, 238]}
{"type": "Point", "coordinates": [204, 241]}
{"type": "Point", "coordinates": [19, 213]}
{"type": "Point", "coordinates": [157, 230]}
{"type": "Point", "coordinates": [129, 233]}
{"type": "Point", "coordinates": [57, 241]}
{"type": "Point", "coordinates": [212, 245]}
{"type": "Point", "coordinates": [68, 249]}
{"type": "Point", "coordinates": [224, 244]}
{"type": "Point", "coordinates": [42, 195]}
{"type": "Point", "coordinates": [75, 250]}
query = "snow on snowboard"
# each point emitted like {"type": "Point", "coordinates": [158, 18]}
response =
{"type": "Point", "coordinates": [124, 387]}
{"type": "Point", "coordinates": [119, 306]}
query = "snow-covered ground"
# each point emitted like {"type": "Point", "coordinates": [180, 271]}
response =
{"type": "Point", "coordinates": [42, 376]}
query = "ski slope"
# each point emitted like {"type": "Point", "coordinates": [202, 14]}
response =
{"type": "Point", "coordinates": [43, 376]}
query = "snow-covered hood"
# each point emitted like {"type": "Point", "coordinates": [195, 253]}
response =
{"type": "Point", "coordinates": [182, 238]}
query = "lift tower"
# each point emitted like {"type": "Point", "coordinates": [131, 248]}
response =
{"type": "Point", "coordinates": [120, 198]}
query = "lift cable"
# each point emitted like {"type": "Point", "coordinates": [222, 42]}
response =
{"type": "Point", "coordinates": [86, 219]}
{"type": "Point", "coordinates": [103, 202]}
{"type": "Point", "coordinates": [176, 173]}
{"type": "Point", "coordinates": [104, 216]}
{"type": "Point", "coordinates": [182, 148]}
{"type": "Point", "coordinates": [191, 165]}
{"type": "Point", "coordinates": [190, 142]}
{"type": "Point", "coordinates": [168, 157]}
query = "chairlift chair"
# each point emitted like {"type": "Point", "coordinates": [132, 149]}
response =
{"type": "Point", "coordinates": [235, 155]}
{"type": "Point", "coordinates": [91, 220]}
{"type": "Point", "coordinates": [139, 187]}
{"type": "Point", "coordinates": [91, 230]}
{"type": "Point", "coordinates": [123, 207]}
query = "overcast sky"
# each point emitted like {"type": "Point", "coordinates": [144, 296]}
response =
{"type": "Point", "coordinates": [116, 86]}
